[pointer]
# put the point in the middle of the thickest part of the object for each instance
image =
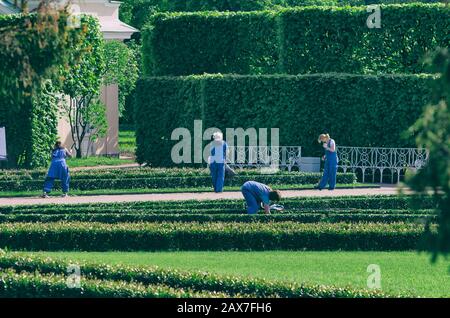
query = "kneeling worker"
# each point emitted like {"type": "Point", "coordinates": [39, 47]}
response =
{"type": "Point", "coordinates": [255, 193]}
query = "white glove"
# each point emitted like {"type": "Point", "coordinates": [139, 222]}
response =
{"type": "Point", "coordinates": [325, 146]}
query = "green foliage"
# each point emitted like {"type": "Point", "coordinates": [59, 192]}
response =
{"type": "Point", "coordinates": [137, 12]}
{"type": "Point", "coordinates": [351, 216]}
{"type": "Point", "coordinates": [31, 129]}
{"type": "Point", "coordinates": [32, 48]}
{"type": "Point", "coordinates": [433, 129]}
{"type": "Point", "coordinates": [121, 69]}
{"type": "Point", "coordinates": [370, 204]}
{"type": "Point", "coordinates": [199, 282]}
{"type": "Point", "coordinates": [92, 236]}
{"type": "Point", "coordinates": [244, 43]}
{"type": "Point", "coordinates": [380, 108]}
{"type": "Point", "coordinates": [294, 41]}
{"type": "Point", "coordinates": [138, 179]}
{"type": "Point", "coordinates": [84, 111]}
{"type": "Point", "coordinates": [35, 285]}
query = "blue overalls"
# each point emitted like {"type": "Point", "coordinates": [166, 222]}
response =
{"type": "Point", "coordinates": [330, 169]}
{"type": "Point", "coordinates": [58, 170]}
{"type": "Point", "coordinates": [217, 164]}
{"type": "Point", "coordinates": [254, 193]}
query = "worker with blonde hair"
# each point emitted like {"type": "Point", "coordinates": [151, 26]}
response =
{"type": "Point", "coordinates": [331, 162]}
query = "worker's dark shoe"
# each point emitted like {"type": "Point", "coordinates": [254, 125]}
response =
{"type": "Point", "coordinates": [64, 195]}
{"type": "Point", "coordinates": [318, 188]}
{"type": "Point", "coordinates": [44, 195]}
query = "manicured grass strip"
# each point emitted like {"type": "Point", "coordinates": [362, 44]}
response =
{"type": "Point", "coordinates": [401, 272]}
{"type": "Point", "coordinates": [95, 161]}
{"type": "Point", "coordinates": [14, 284]}
{"type": "Point", "coordinates": [205, 218]}
{"type": "Point", "coordinates": [127, 141]}
{"type": "Point", "coordinates": [93, 236]}
{"type": "Point", "coordinates": [196, 281]}
{"type": "Point", "coordinates": [56, 193]}
{"type": "Point", "coordinates": [384, 202]}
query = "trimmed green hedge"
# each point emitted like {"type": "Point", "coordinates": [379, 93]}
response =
{"type": "Point", "coordinates": [379, 108]}
{"type": "Point", "coordinates": [200, 282]}
{"type": "Point", "coordinates": [34, 285]}
{"type": "Point", "coordinates": [132, 182]}
{"type": "Point", "coordinates": [294, 41]}
{"type": "Point", "coordinates": [382, 204]}
{"type": "Point", "coordinates": [29, 106]}
{"type": "Point", "coordinates": [137, 12]}
{"type": "Point", "coordinates": [350, 217]}
{"type": "Point", "coordinates": [93, 236]}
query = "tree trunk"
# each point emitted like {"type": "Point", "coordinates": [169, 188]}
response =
{"type": "Point", "coordinates": [79, 152]}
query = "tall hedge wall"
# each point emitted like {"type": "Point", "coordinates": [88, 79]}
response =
{"type": "Point", "coordinates": [379, 108]}
{"type": "Point", "coordinates": [137, 12]}
{"type": "Point", "coordinates": [294, 41]}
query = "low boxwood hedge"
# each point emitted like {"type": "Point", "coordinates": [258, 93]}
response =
{"type": "Point", "coordinates": [382, 202]}
{"type": "Point", "coordinates": [34, 285]}
{"type": "Point", "coordinates": [157, 182]}
{"type": "Point", "coordinates": [205, 218]}
{"type": "Point", "coordinates": [93, 236]}
{"type": "Point", "coordinates": [196, 281]}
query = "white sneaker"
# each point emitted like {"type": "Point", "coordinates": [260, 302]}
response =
{"type": "Point", "coordinates": [44, 195]}
{"type": "Point", "coordinates": [64, 195]}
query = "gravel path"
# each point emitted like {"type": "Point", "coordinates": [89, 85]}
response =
{"type": "Point", "coordinates": [384, 190]}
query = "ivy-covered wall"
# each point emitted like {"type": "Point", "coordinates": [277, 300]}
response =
{"type": "Point", "coordinates": [33, 50]}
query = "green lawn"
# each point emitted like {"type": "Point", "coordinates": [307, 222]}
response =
{"type": "Point", "coordinates": [400, 271]}
{"type": "Point", "coordinates": [127, 141]}
{"type": "Point", "coordinates": [96, 161]}
{"type": "Point", "coordinates": [57, 192]}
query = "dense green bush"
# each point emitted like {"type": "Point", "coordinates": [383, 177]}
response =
{"type": "Point", "coordinates": [200, 282]}
{"type": "Point", "coordinates": [34, 285]}
{"type": "Point", "coordinates": [382, 204]}
{"type": "Point", "coordinates": [165, 216]}
{"type": "Point", "coordinates": [35, 44]}
{"type": "Point", "coordinates": [294, 41]}
{"type": "Point", "coordinates": [171, 182]}
{"type": "Point", "coordinates": [137, 12]}
{"type": "Point", "coordinates": [31, 129]}
{"type": "Point", "coordinates": [92, 236]}
{"type": "Point", "coordinates": [379, 108]}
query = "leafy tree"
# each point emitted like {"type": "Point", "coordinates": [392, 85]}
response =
{"type": "Point", "coordinates": [82, 82]}
{"type": "Point", "coordinates": [121, 69]}
{"type": "Point", "coordinates": [433, 132]}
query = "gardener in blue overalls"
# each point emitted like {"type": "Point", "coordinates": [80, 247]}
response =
{"type": "Point", "coordinates": [331, 163]}
{"type": "Point", "coordinates": [217, 160]}
{"type": "Point", "coordinates": [58, 170]}
{"type": "Point", "coordinates": [256, 193]}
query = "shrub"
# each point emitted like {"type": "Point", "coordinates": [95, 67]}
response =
{"type": "Point", "coordinates": [306, 104]}
{"type": "Point", "coordinates": [209, 236]}
{"type": "Point", "coordinates": [196, 281]}
{"type": "Point", "coordinates": [33, 50]}
{"type": "Point", "coordinates": [173, 182]}
{"type": "Point", "coordinates": [35, 285]}
{"type": "Point", "coordinates": [165, 216]}
{"type": "Point", "coordinates": [137, 12]}
{"type": "Point", "coordinates": [294, 41]}
{"type": "Point", "coordinates": [372, 204]}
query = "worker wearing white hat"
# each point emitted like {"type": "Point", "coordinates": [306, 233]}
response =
{"type": "Point", "coordinates": [219, 150]}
